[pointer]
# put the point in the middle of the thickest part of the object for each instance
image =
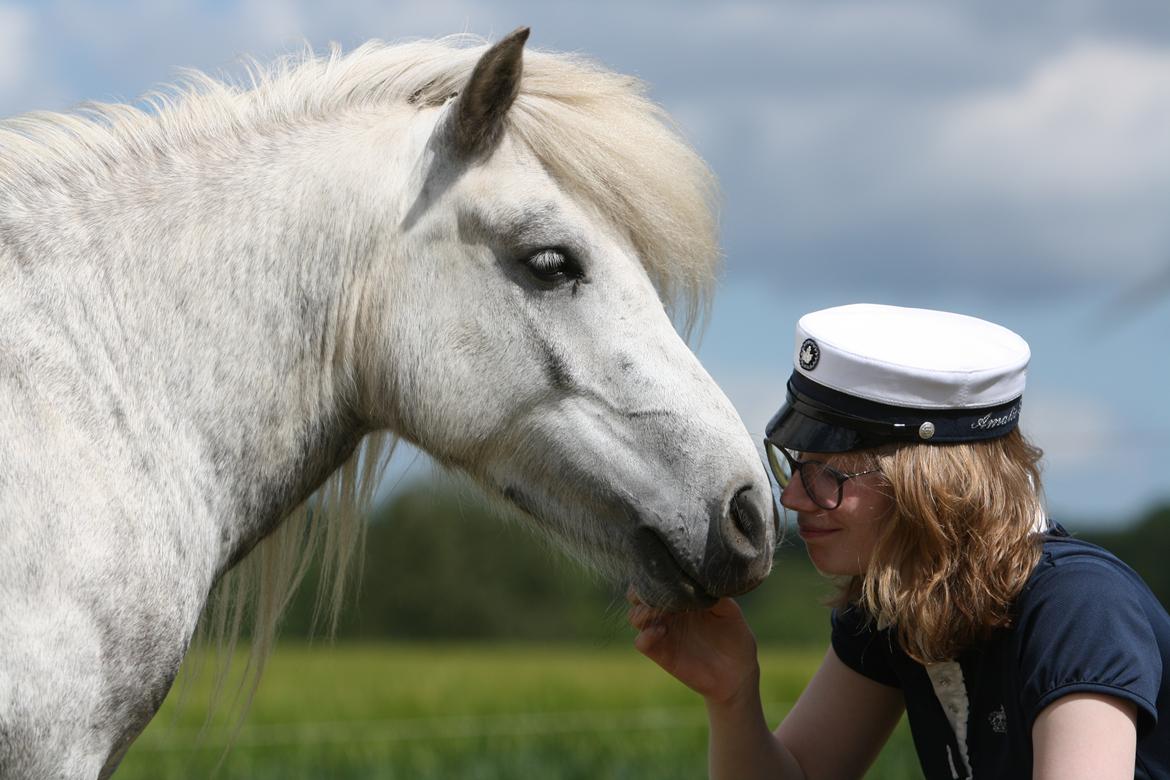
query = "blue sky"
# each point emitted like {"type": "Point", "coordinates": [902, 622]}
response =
{"type": "Point", "coordinates": [1006, 160]}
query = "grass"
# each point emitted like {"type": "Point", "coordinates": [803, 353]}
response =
{"type": "Point", "coordinates": [380, 711]}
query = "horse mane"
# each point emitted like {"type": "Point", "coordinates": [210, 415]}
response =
{"type": "Point", "coordinates": [596, 131]}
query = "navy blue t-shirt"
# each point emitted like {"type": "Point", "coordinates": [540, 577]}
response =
{"type": "Point", "coordinates": [1084, 622]}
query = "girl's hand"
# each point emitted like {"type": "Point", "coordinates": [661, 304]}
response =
{"type": "Point", "coordinates": [711, 651]}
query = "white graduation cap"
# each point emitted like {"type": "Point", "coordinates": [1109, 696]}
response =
{"type": "Point", "coordinates": [868, 374]}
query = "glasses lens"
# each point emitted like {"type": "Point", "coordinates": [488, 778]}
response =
{"type": "Point", "coordinates": [781, 470]}
{"type": "Point", "coordinates": [821, 483]}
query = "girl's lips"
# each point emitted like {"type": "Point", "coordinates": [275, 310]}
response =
{"type": "Point", "coordinates": [809, 534]}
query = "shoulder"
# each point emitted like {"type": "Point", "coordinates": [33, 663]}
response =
{"type": "Point", "coordinates": [1071, 570]}
{"type": "Point", "coordinates": [1084, 598]}
{"type": "Point", "coordinates": [1086, 623]}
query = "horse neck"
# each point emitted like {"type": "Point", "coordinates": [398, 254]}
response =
{"type": "Point", "coordinates": [238, 275]}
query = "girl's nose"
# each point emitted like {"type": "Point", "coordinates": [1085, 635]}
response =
{"type": "Point", "coordinates": [795, 497]}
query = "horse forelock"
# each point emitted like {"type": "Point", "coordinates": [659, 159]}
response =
{"type": "Point", "coordinates": [598, 133]}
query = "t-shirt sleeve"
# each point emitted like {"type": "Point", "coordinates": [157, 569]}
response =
{"type": "Point", "coordinates": [862, 647]}
{"type": "Point", "coordinates": [1084, 630]}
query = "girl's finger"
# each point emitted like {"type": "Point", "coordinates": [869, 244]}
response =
{"type": "Point", "coordinates": [641, 616]}
{"type": "Point", "coordinates": [724, 608]}
{"type": "Point", "coordinates": [648, 638]}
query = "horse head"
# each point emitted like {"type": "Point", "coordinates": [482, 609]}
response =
{"type": "Point", "coordinates": [520, 334]}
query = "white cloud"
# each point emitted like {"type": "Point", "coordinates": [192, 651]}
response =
{"type": "Point", "coordinates": [1053, 173]}
{"type": "Point", "coordinates": [1078, 150]}
{"type": "Point", "coordinates": [16, 32]}
{"type": "Point", "coordinates": [1094, 117]}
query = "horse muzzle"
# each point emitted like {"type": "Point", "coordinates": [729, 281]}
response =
{"type": "Point", "coordinates": [735, 557]}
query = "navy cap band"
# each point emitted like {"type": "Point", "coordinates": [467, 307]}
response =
{"type": "Point", "coordinates": [817, 418]}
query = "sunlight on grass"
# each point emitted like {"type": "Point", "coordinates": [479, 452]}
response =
{"type": "Point", "coordinates": [450, 711]}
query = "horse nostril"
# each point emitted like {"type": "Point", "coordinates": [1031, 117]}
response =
{"type": "Point", "coordinates": [745, 529]}
{"type": "Point", "coordinates": [738, 552]}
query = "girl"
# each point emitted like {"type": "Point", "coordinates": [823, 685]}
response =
{"type": "Point", "coordinates": [1014, 649]}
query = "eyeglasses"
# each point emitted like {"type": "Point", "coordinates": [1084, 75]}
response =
{"type": "Point", "coordinates": [823, 483]}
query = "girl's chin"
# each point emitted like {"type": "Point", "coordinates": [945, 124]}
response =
{"type": "Point", "coordinates": [831, 566]}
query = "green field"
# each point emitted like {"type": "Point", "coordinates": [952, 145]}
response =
{"type": "Point", "coordinates": [461, 711]}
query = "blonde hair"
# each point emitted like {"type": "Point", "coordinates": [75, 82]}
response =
{"type": "Point", "coordinates": [958, 545]}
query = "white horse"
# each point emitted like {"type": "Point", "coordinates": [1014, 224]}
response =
{"type": "Point", "coordinates": [205, 308]}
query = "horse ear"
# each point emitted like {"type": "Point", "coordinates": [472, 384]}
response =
{"type": "Point", "coordinates": [478, 114]}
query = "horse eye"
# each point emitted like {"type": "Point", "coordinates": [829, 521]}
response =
{"type": "Point", "coordinates": [553, 266]}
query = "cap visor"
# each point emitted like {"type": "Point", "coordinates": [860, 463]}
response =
{"type": "Point", "coordinates": [794, 430]}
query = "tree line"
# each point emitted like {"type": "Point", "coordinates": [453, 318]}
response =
{"type": "Point", "coordinates": [441, 563]}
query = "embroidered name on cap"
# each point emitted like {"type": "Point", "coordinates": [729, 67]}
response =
{"type": "Point", "coordinates": [810, 355]}
{"type": "Point", "coordinates": [987, 422]}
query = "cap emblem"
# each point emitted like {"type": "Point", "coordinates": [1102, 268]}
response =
{"type": "Point", "coordinates": [810, 355]}
{"type": "Point", "coordinates": [926, 430]}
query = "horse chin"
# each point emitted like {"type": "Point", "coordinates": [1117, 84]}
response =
{"type": "Point", "coordinates": [660, 581]}
{"type": "Point", "coordinates": [679, 595]}
{"type": "Point", "coordinates": [647, 563]}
